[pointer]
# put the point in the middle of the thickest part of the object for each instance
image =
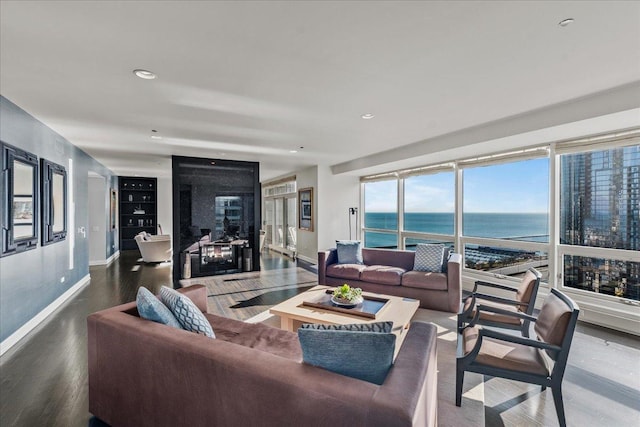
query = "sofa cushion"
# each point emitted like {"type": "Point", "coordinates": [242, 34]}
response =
{"type": "Point", "coordinates": [425, 280]}
{"type": "Point", "coordinates": [364, 355]}
{"type": "Point", "coordinates": [187, 313]}
{"type": "Point", "coordinates": [349, 251]}
{"type": "Point", "coordinates": [151, 308]}
{"type": "Point", "coordinates": [382, 274]}
{"type": "Point", "coordinates": [345, 271]}
{"type": "Point", "coordinates": [429, 257]}
{"type": "Point", "coordinates": [257, 336]}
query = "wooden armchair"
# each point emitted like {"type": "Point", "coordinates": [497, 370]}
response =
{"type": "Point", "coordinates": [523, 302]}
{"type": "Point", "coordinates": [498, 354]}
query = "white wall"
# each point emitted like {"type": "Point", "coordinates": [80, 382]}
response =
{"type": "Point", "coordinates": [307, 241]}
{"type": "Point", "coordinates": [336, 194]}
{"type": "Point", "coordinates": [165, 205]}
{"type": "Point", "coordinates": [98, 212]}
{"type": "Point", "coordinates": [333, 195]}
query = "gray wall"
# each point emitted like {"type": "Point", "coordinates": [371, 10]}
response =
{"type": "Point", "coordinates": [31, 280]}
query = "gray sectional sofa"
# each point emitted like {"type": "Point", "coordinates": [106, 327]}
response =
{"type": "Point", "coordinates": [387, 271]}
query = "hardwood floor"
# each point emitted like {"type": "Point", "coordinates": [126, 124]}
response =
{"type": "Point", "coordinates": [44, 377]}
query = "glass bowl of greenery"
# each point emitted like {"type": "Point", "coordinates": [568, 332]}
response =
{"type": "Point", "coordinates": [346, 296]}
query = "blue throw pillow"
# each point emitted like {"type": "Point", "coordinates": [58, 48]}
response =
{"type": "Point", "coordinates": [384, 327]}
{"type": "Point", "coordinates": [364, 355]}
{"type": "Point", "coordinates": [428, 257]}
{"type": "Point", "coordinates": [187, 313]}
{"type": "Point", "coordinates": [446, 254]}
{"type": "Point", "coordinates": [349, 251]}
{"type": "Point", "coordinates": [151, 308]}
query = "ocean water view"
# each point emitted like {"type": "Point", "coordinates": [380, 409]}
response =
{"type": "Point", "coordinates": [530, 227]}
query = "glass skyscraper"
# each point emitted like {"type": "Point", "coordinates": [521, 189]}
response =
{"type": "Point", "coordinates": [600, 207]}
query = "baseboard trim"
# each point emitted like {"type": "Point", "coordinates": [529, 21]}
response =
{"type": "Point", "coordinates": [107, 261]}
{"type": "Point", "coordinates": [24, 330]}
{"type": "Point", "coordinates": [309, 260]}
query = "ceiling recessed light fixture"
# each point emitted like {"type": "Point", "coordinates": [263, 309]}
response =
{"type": "Point", "coordinates": [565, 22]}
{"type": "Point", "coordinates": [368, 116]}
{"type": "Point", "coordinates": [144, 74]}
{"type": "Point", "coordinates": [156, 137]}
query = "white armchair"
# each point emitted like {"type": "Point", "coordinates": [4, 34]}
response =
{"type": "Point", "coordinates": [154, 248]}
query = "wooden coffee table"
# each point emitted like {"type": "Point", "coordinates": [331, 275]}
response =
{"type": "Point", "coordinates": [293, 313]}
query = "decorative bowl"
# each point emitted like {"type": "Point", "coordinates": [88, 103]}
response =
{"type": "Point", "coordinates": [347, 303]}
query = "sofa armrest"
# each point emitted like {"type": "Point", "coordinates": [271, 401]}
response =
{"type": "Point", "coordinates": [325, 259]}
{"type": "Point", "coordinates": [156, 237]}
{"type": "Point", "coordinates": [454, 282]}
{"type": "Point", "coordinates": [409, 394]}
{"type": "Point", "coordinates": [197, 294]}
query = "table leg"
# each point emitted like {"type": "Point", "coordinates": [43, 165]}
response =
{"type": "Point", "coordinates": [286, 323]}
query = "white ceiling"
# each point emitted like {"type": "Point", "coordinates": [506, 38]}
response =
{"type": "Point", "coordinates": [254, 80]}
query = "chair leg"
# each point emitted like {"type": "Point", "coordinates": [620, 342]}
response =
{"type": "Point", "coordinates": [459, 381]}
{"type": "Point", "coordinates": [525, 328]}
{"type": "Point", "coordinates": [557, 400]}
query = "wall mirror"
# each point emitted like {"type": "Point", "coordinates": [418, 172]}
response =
{"type": "Point", "coordinates": [54, 202]}
{"type": "Point", "coordinates": [19, 200]}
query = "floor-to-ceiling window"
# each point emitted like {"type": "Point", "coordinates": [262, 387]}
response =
{"type": "Point", "coordinates": [600, 221]}
{"type": "Point", "coordinates": [505, 216]}
{"type": "Point", "coordinates": [429, 207]}
{"type": "Point", "coordinates": [570, 209]}
{"type": "Point", "coordinates": [381, 214]}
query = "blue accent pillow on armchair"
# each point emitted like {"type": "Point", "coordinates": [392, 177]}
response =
{"type": "Point", "coordinates": [349, 251]}
{"type": "Point", "coordinates": [364, 355]}
{"type": "Point", "coordinates": [151, 308]}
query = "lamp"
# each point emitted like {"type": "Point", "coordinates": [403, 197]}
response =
{"type": "Point", "coordinates": [353, 211]}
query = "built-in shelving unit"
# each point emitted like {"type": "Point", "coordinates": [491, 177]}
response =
{"type": "Point", "coordinates": [138, 208]}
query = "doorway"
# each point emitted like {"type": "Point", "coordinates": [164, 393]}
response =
{"type": "Point", "coordinates": [98, 210]}
{"type": "Point", "coordinates": [280, 224]}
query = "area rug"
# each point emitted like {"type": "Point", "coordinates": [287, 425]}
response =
{"type": "Point", "coordinates": [244, 295]}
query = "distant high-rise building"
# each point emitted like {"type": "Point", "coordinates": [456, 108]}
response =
{"type": "Point", "coordinates": [600, 207]}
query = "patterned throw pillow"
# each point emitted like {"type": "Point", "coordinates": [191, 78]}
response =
{"type": "Point", "coordinates": [349, 251]}
{"type": "Point", "coordinates": [151, 308]}
{"type": "Point", "coordinates": [428, 257]}
{"type": "Point", "coordinates": [384, 327]}
{"type": "Point", "coordinates": [364, 355]}
{"type": "Point", "coordinates": [189, 316]}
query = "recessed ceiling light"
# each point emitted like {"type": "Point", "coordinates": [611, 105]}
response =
{"type": "Point", "coordinates": [368, 116]}
{"type": "Point", "coordinates": [565, 22]}
{"type": "Point", "coordinates": [156, 137]}
{"type": "Point", "coordinates": [144, 74]}
{"type": "Point", "coordinates": [213, 163]}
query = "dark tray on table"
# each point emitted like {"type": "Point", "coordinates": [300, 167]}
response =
{"type": "Point", "coordinates": [369, 308]}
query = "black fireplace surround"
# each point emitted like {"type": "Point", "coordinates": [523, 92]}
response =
{"type": "Point", "coordinates": [216, 216]}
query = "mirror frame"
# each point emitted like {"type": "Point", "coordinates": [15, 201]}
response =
{"type": "Point", "coordinates": [9, 244]}
{"type": "Point", "coordinates": [48, 170]}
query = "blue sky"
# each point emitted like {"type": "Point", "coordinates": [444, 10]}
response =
{"type": "Point", "coordinates": [516, 187]}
